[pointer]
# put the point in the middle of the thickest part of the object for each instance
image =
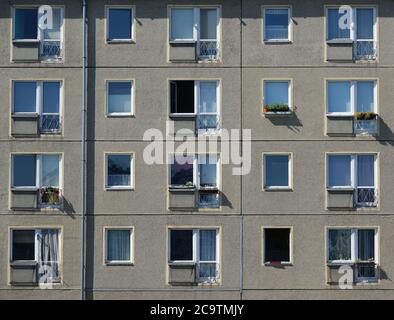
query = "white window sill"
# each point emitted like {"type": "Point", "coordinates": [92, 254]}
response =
{"type": "Point", "coordinates": [24, 189]}
{"type": "Point", "coordinates": [279, 113]}
{"type": "Point", "coordinates": [120, 41]}
{"type": "Point", "coordinates": [119, 263]}
{"type": "Point", "coordinates": [129, 188]}
{"type": "Point", "coordinates": [278, 41]}
{"type": "Point", "coordinates": [339, 115]}
{"type": "Point", "coordinates": [279, 263]}
{"type": "Point", "coordinates": [278, 189]}
{"type": "Point", "coordinates": [25, 41]}
{"type": "Point", "coordinates": [25, 115]}
{"type": "Point", "coordinates": [120, 115]}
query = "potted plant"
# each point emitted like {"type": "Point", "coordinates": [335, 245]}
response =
{"type": "Point", "coordinates": [365, 116]}
{"type": "Point", "coordinates": [276, 107]}
{"type": "Point", "coordinates": [50, 195]}
{"type": "Point", "coordinates": [189, 184]}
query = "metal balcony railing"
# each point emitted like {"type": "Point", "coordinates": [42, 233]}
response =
{"type": "Point", "coordinates": [50, 50]}
{"type": "Point", "coordinates": [208, 123]}
{"type": "Point", "coordinates": [365, 127]}
{"type": "Point", "coordinates": [50, 123]}
{"type": "Point", "coordinates": [49, 197]}
{"type": "Point", "coordinates": [208, 49]}
{"type": "Point", "coordinates": [366, 196]}
{"type": "Point", "coordinates": [365, 50]}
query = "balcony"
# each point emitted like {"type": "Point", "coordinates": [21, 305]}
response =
{"type": "Point", "coordinates": [208, 124]}
{"type": "Point", "coordinates": [366, 197]}
{"type": "Point", "coordinates": [208, 50]}
{"type": "Point", "coordinates": [50, 123]}
{"type": "Point", "coordinates": [33, 198]}
{"type": "Point", "coordinates": [365, 123]}
{"type": "Point", "coordinates": [50, 50]}
{"type": "Point", "coordinates": [365, 50]}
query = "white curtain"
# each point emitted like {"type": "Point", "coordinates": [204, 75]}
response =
{"type": "Point", "coordinates": [207, 269]}
{"type": "Point", "coordinates": [48, 255]}
{"type": "Point", "coordinates": [118, 245]}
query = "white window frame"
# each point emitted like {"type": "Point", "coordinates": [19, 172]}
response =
{"type": "Point", "coordinates": [289, 88]}
{"type": "Point", "coordinates": [290, 262]}
{"type": "Point", "coordinates": [353, 96]}
{"type": "Point", "coordinates": [118, 262]}
{"type": "Point", "coordinates": [196, 251]}
{"type": "Point", "coordinates": [196, 23]}
{"type": "Point", "coordinates": [209, 155]}
{"type": "Point", "coordinates": [119, 114]}
{"type": "Point", "coordinates": [132, 31]}
{"type": "Point", "coordinates": [129, 187]}
{"type": "Point", "coordinates": [39, 177]}
{"type": "Point", "coordinates": [354, 248]}
{"type": "Point", "coordinates": [289, 26]}
{"type": "Point", "coordinates": [353, 31]}
{"type": "Point", "coordinates": [290, 171]}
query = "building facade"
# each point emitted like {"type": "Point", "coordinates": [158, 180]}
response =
{"type": "Point", "coordinates": [313, 206]}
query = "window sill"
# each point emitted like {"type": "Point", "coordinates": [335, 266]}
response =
{"type": "Point", "coordinates": [118, 263]}
{"type": "Point", "coordinates": [182, 115]}
{"type": "Point", "coordinates": [284, 189]}
{"type": "Point", "coordinates": [340, 41]}
{"type": "Point", "coordinates": [279, 264]}
{"type": "Point", "coordinates": [340, 115]}
{"type": "Point", "coordinates": [344, 189]}
{"type": "Point", "coordinates": [25, 115]}
{"type": "Point", "coordinates": [181, 189]}
{"type": "Point", "coordinates": [119, 189]}
{"type": "Point", "coordinates": [25, 41]}
{"type": "Point", "coordinates": [182, 41]}
{"type": "Point", "coordinates": [279, 41]}
{"type": "Point", "coordinates": [23, 189]}
{"type": "Point", "coordinates": [121, 41]}
{"type": "Point", "coordinates": [119, 115]}
{"type": "Point", "coordinates": [279, 114]}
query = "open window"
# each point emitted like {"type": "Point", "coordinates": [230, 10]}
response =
{"type": "Point", "coordinates": [35, 256]}
{"type": "Point", "coordinates": [277, 246]}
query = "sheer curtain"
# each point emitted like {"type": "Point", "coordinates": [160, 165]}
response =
{"type": "Point", "coordinates": [334, 30]}
{"type": "Point", "coordinates": [48, 255]}
{"type": "Point", "coordinates": [207, 265]}
{"type": "Point", "coordinates": [118, 245]}
{"type": "Point", "coordinates": [339, 245]}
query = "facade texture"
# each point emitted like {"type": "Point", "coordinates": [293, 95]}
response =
{"type": "Point", "coordinates": [241, 63]}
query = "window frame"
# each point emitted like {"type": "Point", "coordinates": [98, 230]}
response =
{"type": "Point", "coordinates": [354, 248]}
{"type": "Point", "coordinates": [105, 245]}
{"type": "Point", "coordinates": [289, 187]}
{"type": "Point", "coordinates": [290, 93]}
{"type": "Point", "coordinates": [291, 241]}
{"type": "Point", "coordinates": [196, 22]}
{"type": "Point", "coordinates": [38, 161]}
{"type": "Point", "coordinates": [289, 26]}
{"type": "Point", "coordinates": [107, 22]}
{"type": "Point", "coordinates": [131, 187]}
{"type": "Point", "coordinates": [132, 99]}
{"type": "Point", "coordinates": [196, 251]}
{"type": "Point", "coordinates": [353, 96]}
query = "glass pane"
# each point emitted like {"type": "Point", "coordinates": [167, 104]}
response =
{"type": "Point", "coordinates": [276, 92]}
{"type": "Point", "coordinates": [119, 97]}
{"type": "Point", "coordinates": [208, 97]}
{"type": "Point", "coordinates": [366, 244]}
{"type": "Point", "coordinates": [26, 24]}
{"type": "Point", "coordinates": [182, 24]}
{"type": "Point", "coordinates": [335, 31]}
{"type": "Point", "coordinates": [50, 170]}
{"type": "Point", "coordinates": [208, 24]}
{"type": "Point", "coordinates": [276, 24]}
{"type": "Point", "coordinates": [365, 96]}
{"type": "Point", "coordinates": [119, 171]}
{"type": "Point", "coordinates": [208, 245]}
{"type": "Point", "coordinates": [208, 199]}
{"type": "Point", "coordinates": [338, 96]}
{"type": "Point", "coordinates": [181, 245]}
{"type": "Point", "coordinates": [54, 33]}
{"type": "Point", "coordinates": [365, 22]}
{"type": "Point", "coordinates": [339, 242]}
{"type": "Point", "coordinates": [207, 170]}
{"type": "Point", "coordinates": [366, 171]}
{"type": "Point", "coordinates": [182, 171]}
{"type": "Point", "coordinates": [24, 170]}
{"type": "Point", "coordinates": [118, 245]}
{"type": "Point", "coordinates": [276, 171]}
{"type": "Point", "coordinates": [51, 97]}
{"type": "Point", "coordinates": [23, 245]}
{"type": "Point", "coordinates": [119, 23]}
{"type": "Point", "coordinates": [207, 270]}
{"type": "Point", "coordinates": [339, 171]}
{"type": "Point", "coordinates": [277, 245]}
{"type": "Point", "coordinates": [25, 96]}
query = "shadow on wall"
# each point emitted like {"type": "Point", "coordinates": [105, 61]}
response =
{"type": "Point", "coordinates": [386, 132]}
{"type": "Point", "coordinates": [68, 208]}
{"type": "Point", "coordinates": [292, 122]}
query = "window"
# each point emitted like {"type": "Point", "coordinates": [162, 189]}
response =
{"type": "Point", "coordinates": [26, 28]}
{"type": "Point", "coordinates": [199, 25]}
{"type": "Point", "coordinates": [41, 172]}
{"type": "Point", "coordinates": [198, 99]}
{"type": "Point", "coordinates": [120, 24]}
{"type": "Point", "coordinates": [182, 171]}
{"type": "Point", "coordinates": [277, 171]}
{"type": "Point", "coordinates": [354, 172]}
{"type": "Point", "coordinates": [277, 245]}
{"type": "Point", "coordinates": [118, 246]}
{"type": "Point", "coordinates": [277, 96]}
{"type": "Point", "coordinates": [362, 33]}
{"type": "Point", "coordinates": [277, 24]}
{"type": "Point", "coordinates": [119, 98]}
{"type": "Point", "coordinates": [42, 98]}
{"type": "Point", "coordinates": [41, 246]}
{"type": "Point", "coordinates": [196, 246]}
{"type": "Point", "coordinates": [357, 247]}
{"type": "Point", "coordinates": [119, 168]}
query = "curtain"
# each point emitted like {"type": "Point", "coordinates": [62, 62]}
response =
{"type": "Point", "coordinates": [338, 96]}
{"type": "Point", "coordinates": [182, 24]}
{"type": "Point", "coordinates": [339, 171]}
{"type": "Point", "coordinates": [365, 96]}
{"type": "Point", "coordinates": [334, 30]}
{"type": "Point", "coordinates": [276, 92]}
{"type": "Point", "coordinates": [50, 170]}
{"type": "Point", "coordinates": [48, 255]}
{"type": "Point", "coordinates": [119, 97]}
{"type": "Point", "coordinates": [365, 23]}
{"type": "Point", "coordinates": [118, 245]}
{"type": "Point", "coordinates": [207, 253]}
{"type": "Point", "coordinates": [366, 244]}
{"type": "Point", "coordinates": [208, 21]}
{"type": "Point", "coordinates": [276, 24]}
{"type": "Point", "coordinates": [339, 244]}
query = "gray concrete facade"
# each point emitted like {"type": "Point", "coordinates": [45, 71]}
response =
{"type": "Point", "coordinates": [246, 208]}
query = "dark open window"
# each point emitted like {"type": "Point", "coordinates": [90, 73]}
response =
{"type": "Point", "coordinates": [277, 245]}
{"type": "Point", "coordinates": [23, 245]}
{"type": "Point", "coordinates": [25, 24]}
{"type": "Point", "coordinates": [182, 97]}
{"type": "Point", "coordinates": [181, 247]}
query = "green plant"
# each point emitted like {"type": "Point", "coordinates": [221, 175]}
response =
{"type": "Point", "coordinates": [276, 107]}
{"type": "Point", "coordinates": [50, 195]}
{"type": "Point", "coordinates": [189, 184]}
{"type": "Point", "coordinates": [365, 115]}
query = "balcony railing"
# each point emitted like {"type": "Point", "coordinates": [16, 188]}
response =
{"type": "Point", "coordinates": [49, 197]}
{"type": "Point", "coordinates": [207, 272]}
{"type": "Point", "coordinates": [50, 50]}
{"type": "Point", "coordinates": [208, 200]}
{"type": "Point", "coordinates": [50, 123]}
{"type": "Point", "coordinates": [365, 50]}
{"type": "Point", "coordinates": [208, 123]}
{"type": "Point", "coordinates": [366, 197]}
{"type": "Point", "coordinates": [365, 127]}
{"type": "Point", "coordinates": [208, 49]}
